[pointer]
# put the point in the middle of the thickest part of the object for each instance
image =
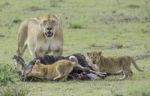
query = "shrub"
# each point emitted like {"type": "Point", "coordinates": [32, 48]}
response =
{"type": "Point", "coordinates": [77, 24]}
{"type": "Point", "coordinates": [7, 74]}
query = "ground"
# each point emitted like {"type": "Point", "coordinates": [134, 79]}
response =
{"type": "Point", "coordinates": [115, 27]}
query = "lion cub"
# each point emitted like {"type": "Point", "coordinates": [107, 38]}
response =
{"type": "Point", "coordinates": [113, 65]}
{"type": "Point", "coordinates": [56, 71]}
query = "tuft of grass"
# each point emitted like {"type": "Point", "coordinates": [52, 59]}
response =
{"type": "Point", "coordinates": [55, 3]}
{"type": "Point", "coordinates": [7, 74]}
{"type": "Point", "coordinates": [14, 90]}
{"type": "Point", "coordinates": [77, 24]}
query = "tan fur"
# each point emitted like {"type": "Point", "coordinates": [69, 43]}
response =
{"type": "Point", "coordinates": [33, 33]}
{"type": "Point", "coordinates": [57, 71]}
{"type": "Point", "coordinates": [113, 65]}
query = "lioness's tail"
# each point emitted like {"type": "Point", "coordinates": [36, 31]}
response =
{"type": "Point", "coordinates": [74, 60]}
{"type": "Point", "coordinates": [135, 65]}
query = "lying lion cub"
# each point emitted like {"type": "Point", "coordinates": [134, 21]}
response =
{"type": "Point", "coordinates": [56, 71]}
{"type": "Point", "coordinates": [113, 65]}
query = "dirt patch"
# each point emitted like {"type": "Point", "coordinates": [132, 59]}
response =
{"type": "Point", "coordinates": [117, 46]}
{"type": "Point", "coordinates": [114, 18]}
{"type": "Point", "coordinates": [96, 46]}
{"type": "Point", "coordinates": [133, 6]}
{"type": "Point", "coordinates": [142, 56]}
{"type": "Point", "coordinates": [10, 22]}
{"type": "Point", "coordinates": [112, 46]}
{"type": "Point", "coordinates": [118, 18]}
{"type": "Point", "coordinates": [34, 8]}
{"type": "Point", "coordinates": [2, 52]}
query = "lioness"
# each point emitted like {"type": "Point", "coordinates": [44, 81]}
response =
{"type": "Point", "coordinates": [41, 35]}
{"type": "Point", "coordinates": [113, 65]}
{"type": "Point", "coordinates": [56, 71]}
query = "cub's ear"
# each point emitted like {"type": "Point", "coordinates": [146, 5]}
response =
{"type": "Point", "coordinates": [88, 53]}
{"type": "Point", "coordinates": [37, 61]}
{"type": "Point", "coordinates": [100, 53]}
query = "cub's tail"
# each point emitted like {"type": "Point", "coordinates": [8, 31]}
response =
{"type": "Point", "coordinates": [135, 65]}
{"type": "Point", "coordinates": [74, 60]}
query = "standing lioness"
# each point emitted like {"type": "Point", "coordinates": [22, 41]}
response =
{"type": "Point", "coordinates": [42, 35]}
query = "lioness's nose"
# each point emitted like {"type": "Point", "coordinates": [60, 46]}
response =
{"type": "Point", "coordinates": [49, 28]}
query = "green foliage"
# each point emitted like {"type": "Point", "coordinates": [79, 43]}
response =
{"type": "Point", "coordinates": [7, 74]}
{"type": "Point", "coordinates": [77, 24]}
{"type": "Point", "coordinates": [14, 90]}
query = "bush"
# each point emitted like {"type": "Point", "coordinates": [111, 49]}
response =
{"type": "Point", "coordinates": [14, 90]}
{"type": "Point", "coordinates": [77, 24]}
{"type": "Point", "coordinates": [7, 74]}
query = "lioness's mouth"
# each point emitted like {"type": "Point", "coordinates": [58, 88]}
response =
{"type": "Point", "coordinates": [49, 34]}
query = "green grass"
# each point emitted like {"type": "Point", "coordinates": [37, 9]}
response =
{"type": "Point", "coordinates": [14, 90]}
{"type": "Point", "coordinates": [101, 25]}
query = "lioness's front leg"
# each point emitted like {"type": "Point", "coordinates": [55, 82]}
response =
{"type": "Point", "coordinates": [58, 52]}
{"type": "Point", "coordinates": [39, 53]}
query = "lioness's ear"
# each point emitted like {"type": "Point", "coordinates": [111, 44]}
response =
{"type": "Point", "coordinates": [100, 53]}
{"type": "Point", "coordinates": [37, 61]}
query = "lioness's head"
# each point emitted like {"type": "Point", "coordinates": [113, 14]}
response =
{"type": "Point", "coordinates": [94, 56]}
{"type": "Point", "coordinates": [49, 25]}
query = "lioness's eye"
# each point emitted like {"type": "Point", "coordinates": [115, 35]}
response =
{"type": "Point", "coordinates": [44, 22]}
{"type": "Point", "coordinates": [53, 22]}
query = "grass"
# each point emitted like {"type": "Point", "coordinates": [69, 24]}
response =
{"type": "Point", "coordinates": [77, 24]}
{"type": "Point", "coordinates": [14, 90]}
{"type": "Point", "coordinates": [102, 24]}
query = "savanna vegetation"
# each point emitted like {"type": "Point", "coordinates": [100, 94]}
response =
{"type": "Point", "coordinates": [116, 27]}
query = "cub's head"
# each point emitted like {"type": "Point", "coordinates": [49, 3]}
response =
{"type": "Point", "coordinates": [94, 56]}
{"type": "Point", "coordinates": [49, 25]}
{"type": "Point", "coordinates": [38, 65]}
